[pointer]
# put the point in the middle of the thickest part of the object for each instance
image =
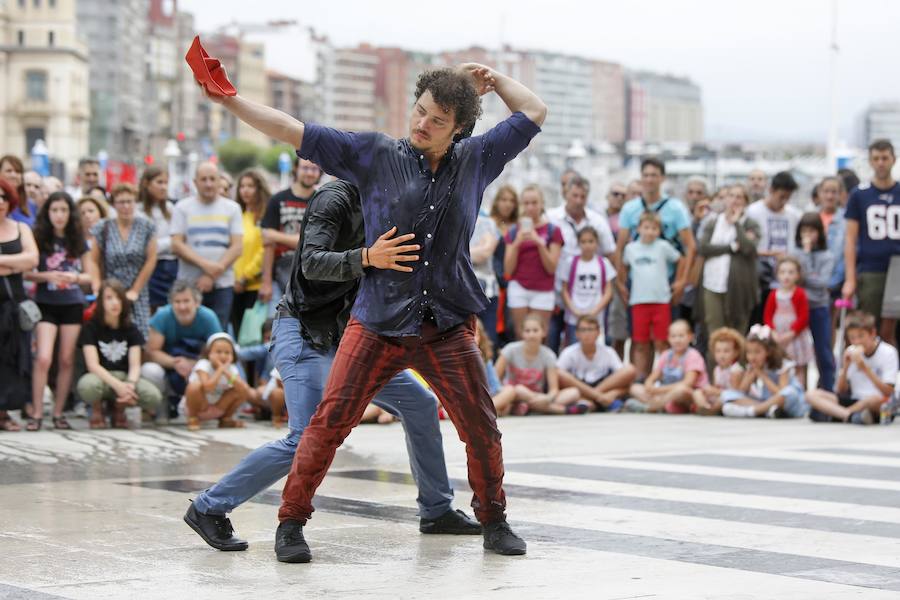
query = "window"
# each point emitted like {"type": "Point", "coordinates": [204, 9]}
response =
{"type": "Point", "coordinates": [21, 38]}
{"type": "Point", "coordinates": [32, 135]}
{"type": "Point", "coordinates": [36, 85]}
{"type": "Point", "coordinates": [50, 39]}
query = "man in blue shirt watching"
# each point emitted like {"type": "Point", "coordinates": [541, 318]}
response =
{"type": "Point", "coordinates": [431, 185]}
{"type": "Point", "coordinates": [676, 229]}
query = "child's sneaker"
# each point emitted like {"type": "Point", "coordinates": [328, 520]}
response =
{"type": "Point", "coordinates": [634, 405]}
{"type": "Point", "coordinates": [616, 406]}
{"type": "Point", "coordinates": [862, 417]}
{"type": "Point", "coordinates": [774, 412]}
{"type": "Point", "coordinates": [579, 408]}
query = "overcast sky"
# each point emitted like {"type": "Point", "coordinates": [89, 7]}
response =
{"type": "Point", "coordinates": [763, 65]}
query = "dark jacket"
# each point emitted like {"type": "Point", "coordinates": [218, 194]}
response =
{"type": "Point", "coordinates": [327, 267]}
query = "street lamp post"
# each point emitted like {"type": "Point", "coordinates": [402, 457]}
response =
{"type": "Point", "coordinates": [172, 153]}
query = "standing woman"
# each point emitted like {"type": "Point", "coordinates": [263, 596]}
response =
{"type": "Point", "coordinates": [64, 266]}
{"type": "Point", "coordinates": [125, 249]}
{"type": "Point", "coordinates": [253, 196]}
{"type": "Point", "coordinates": [532, 253]}
{"type": "Point", "coordinates": [13, 172]}
{"type": "Point", "coordinates": [729, 285]}
{"type": "Point", "coordinates": [154, 204]}
{"type": "Point", "coordinates": [505, 214]}
{"type": "Point", "coordinates": [18, 253]}
{"type": "Point", "coordinates": [92, 211]}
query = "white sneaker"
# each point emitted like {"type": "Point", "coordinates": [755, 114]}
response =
{"type": "Point", "coordinates": [730, 409]}
{"type": "Point", "coordinates": [634, 405]}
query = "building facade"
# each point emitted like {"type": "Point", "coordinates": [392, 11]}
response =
{"type": "Point", "coordinates": [116, 34]}
{"type": "Point", "coordinates": [345, 79]}
{"type": "Point", "coordinates": [44, 69]}
{"type": "Point", "coordinates": [663, 108]}
{"type": "Point", "coordinates": [882, 121]}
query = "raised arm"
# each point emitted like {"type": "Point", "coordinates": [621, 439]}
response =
{"type": "Point", "coordinates": [516, 96]}
{"type": "Point", "coordinates": [269, 121]}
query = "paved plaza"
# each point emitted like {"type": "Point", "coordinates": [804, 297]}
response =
{"type": "Point", "coordinates": [612, 506]}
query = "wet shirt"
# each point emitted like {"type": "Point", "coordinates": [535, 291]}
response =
{"type": "Point", "coordinates": [397, 188]}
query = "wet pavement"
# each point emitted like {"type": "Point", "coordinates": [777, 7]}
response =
{"type": "Point", "coordinates": [613, 506]}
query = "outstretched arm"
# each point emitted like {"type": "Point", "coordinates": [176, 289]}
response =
{"type": "Point", "coordinates": [516, 96]}
{"type": "Point", "coordinates": [273, 123]}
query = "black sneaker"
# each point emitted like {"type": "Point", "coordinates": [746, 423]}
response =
{"type": "Point", "coordinates": [453, 522]}
{"type": "Point", "coordinates": [216, 530]}
{"type": "Point", "coordinates": [499, 538]}
{"type": "Point", "coordinates": [290, 547]}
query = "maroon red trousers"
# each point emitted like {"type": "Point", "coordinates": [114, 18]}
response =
{"type": "Point", "coordinates": [451, 364]}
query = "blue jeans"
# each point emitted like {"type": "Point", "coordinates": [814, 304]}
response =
{"type": "Point", "coordinates": [489, 319]}
{"type": "Point", "coordinates": [304, 372]}
{"type": "Point", "coordinates": [557, 328]}
{"type": "Point", "coordinates": [820, 326]}
{"type": "Point", "coordinates": [220, 301]}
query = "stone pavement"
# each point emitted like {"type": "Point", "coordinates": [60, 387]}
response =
{"type": "Point", "coordinates": [613, 506]}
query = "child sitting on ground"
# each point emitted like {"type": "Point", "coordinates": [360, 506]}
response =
{"type": "Point", "coordinates": [768, 386]}
{"type": "Point", "coordinates": [677, 373]}
{"type": "Point", "coordinates": [530, 368]}
{"type": "Point", "coordinates": [215, 389]}
{"type": "Point", "coordinates": [593, 368]}
{"type": "Point", "coordinates": [866, 379]}
{"type": "Point", "coordinates": [727, 346]}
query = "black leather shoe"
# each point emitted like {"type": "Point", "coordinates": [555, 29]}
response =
{"type": "Point", "coordinates": [216, 530]}
{"type": "Point", "coordinates": [499, 538]}
{"type": "Point", "coordinates": [290, 547]}
{"type": "Point", "coordinates": [453, 522]}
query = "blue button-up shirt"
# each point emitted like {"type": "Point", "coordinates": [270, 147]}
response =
{"type": "Point", "coordinates": [397, 188]}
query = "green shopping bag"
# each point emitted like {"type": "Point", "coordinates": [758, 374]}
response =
{"type": "Point", "coordinates": [252, 324]}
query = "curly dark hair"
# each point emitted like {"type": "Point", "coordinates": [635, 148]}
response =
{"type": "Point", "coordinates": [43, 228]}
{"type": "Point", "coordinates": [452, 90]}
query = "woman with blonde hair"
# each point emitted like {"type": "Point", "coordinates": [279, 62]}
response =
{"type": "Point", "coordinates": [253, 196]}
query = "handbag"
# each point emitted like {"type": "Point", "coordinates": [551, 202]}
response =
{"type": "Point", "coordinates": [29, 313]}
{"type": "Point", "coordinates": [252, 323]}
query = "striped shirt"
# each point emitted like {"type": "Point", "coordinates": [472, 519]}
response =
{"type": "Point", "coordinates": [207, 229]}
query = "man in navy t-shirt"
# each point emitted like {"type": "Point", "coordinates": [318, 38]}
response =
{"type": "Point", "coordinates": [873, 235]}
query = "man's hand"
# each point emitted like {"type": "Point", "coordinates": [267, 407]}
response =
{"type": "Point", "coordinates": [386, 253]}
{"type": "Point", "coordinates": [849, 288]}
{"type": "Point", "coordinates": [211, 97]}
{"type": "Point", "coordinates": [183, 366]}
{"type": "Point", "coordinates": [482, 77]}
{"type": "Point", "coordinates": [205, 283]}
{"type": "Point", "coordinates": [678, 292]}
{"type": "Point", "coordinates": [265, 291]}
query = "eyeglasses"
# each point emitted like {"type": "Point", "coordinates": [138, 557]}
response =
{"type": "Point", "coordinates": [587, 329]}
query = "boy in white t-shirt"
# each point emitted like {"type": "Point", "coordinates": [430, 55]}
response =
{"type": "Point", "coordinates": [587, 284]}
{"type": "Point", "coordinates": [866, 380]}
{"type": "Point", "coordinates": [594, 368]}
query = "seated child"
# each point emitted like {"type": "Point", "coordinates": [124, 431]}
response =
{"type": "Point", "coordinates": [678, 372]}
{"type": "Point", "coordinates": [215, 389]}
{"type": "Point", "coordinates": [727, 346]}
{"type": "Point", "coordinates": [593, 368]}
{"type": "Point", "coordinates": [866, 379]}
{"type": "Point", "coordinates": [530, 369]}
{"type": "Point", "coordinates": [768, 386]}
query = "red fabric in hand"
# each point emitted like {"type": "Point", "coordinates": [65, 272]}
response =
{"type": "Point", "coordinates": [208, 71]}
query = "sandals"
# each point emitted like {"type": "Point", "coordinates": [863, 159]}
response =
{"type": "Point", "coordinates": [33, 424]}
{"type": "Point", "coordinates": [8, 424]}
{"type": "Point", "coordinates": [98, 421]}
{"type": "Point", "coordinates": [60, 422]}
{"type": "Point", "coordinates": [193, 423]}
{"type": "Point", "coordinates": [230, 424]}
